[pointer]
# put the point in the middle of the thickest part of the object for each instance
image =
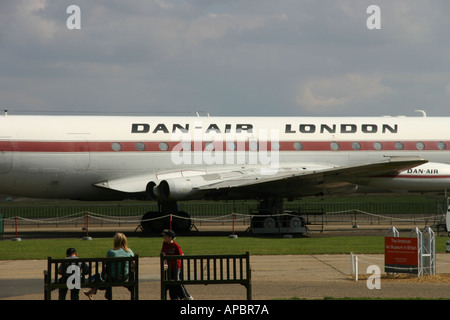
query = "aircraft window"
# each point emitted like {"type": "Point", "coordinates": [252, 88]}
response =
{"type": "Point", "coordinates": [334, 146]}
{"type": "Point", "coordinates": [420, 145]}
{"type": "Point", "coordinates": [399, 146]}
{"type": "Point", "coordinates": [140, 146]}
{"type": "Point", "coordinates": [116, 146]}
{"type": "Point", "coordinates": [186, 146]}
{"type": "Point", "coordinates": [253, 145]}
{"type": "Point", "coordinates": [163, 146]}
{"type": "Point", "coordinates": [377, 146]}
{"type": "Point", "coordinates": [231, 146]}
{"type": "Point", "coordinates": [276, 146]}
{"type": "Point", "coordinates": [356, 146]}
{"type": "Point", "coordinates": [441, 145]}
{"type": "Point", "coordinates": [209, 146]}
{"type": "Point", "coordinates": [298, 146]}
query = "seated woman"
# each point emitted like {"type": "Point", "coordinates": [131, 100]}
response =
{"type": "Point", "coordinates": [120, 249]}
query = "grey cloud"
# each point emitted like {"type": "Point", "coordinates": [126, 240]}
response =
{"type": "Point", "coordinates": [231, 58]}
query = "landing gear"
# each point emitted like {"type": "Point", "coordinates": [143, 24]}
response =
{"type": "Point", "coordinates": [272, 218]}
{"type": "Point", "coordinates": [157, 221]}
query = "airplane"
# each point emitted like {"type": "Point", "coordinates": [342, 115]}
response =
{"type": "Point", "coordinates": [175, 158]}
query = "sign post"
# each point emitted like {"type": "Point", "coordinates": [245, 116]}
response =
{"type": "Point", "coordinates": [414, 255]}
{"type": "Point", "coordinates": [401, 255]}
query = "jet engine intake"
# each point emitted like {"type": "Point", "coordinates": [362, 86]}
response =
{"type": "Point", "coordinates": [170, 189]}
{"type": "Point", "coordinates": [151, 190]}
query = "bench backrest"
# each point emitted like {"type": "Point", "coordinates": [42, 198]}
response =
{"type": "Point", "coordinates": [207, 269]}
{"type": "Point", "coordinates": [113, 272]}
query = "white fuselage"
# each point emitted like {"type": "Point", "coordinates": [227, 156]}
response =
{"type": "Point", "coordinates": [66, 156]}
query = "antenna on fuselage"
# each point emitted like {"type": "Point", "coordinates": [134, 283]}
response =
{"type": "Point", "coordinates": [198, 113]}
{"type": "Point", "coordinates": [424, 114]}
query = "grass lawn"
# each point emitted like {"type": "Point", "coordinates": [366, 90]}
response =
{"type": "Point", "coordinates": [150, 247]}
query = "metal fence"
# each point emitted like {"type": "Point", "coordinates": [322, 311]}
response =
{"type": "Point", "coordinates": [421, 212]}
{"type": "Point", "coordinates": [373, 213]}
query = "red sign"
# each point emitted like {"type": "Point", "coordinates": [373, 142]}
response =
{"type": "Point", "coordinates": [401, 255]}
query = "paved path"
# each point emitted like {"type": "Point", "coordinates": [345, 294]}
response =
{"type": "Point", "coordinates": [273, 277]}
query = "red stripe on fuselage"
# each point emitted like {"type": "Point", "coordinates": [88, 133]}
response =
{"type": "Point", "coordinates": [139, 146]}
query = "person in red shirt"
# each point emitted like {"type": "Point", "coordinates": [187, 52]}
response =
{"type": "Point", "coordinates": [171, 248]}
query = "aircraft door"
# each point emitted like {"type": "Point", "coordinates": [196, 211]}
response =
{"type": "Point", "coordinates": [81, 154]}
{"type": "Point", "coordinates": [6, 156]}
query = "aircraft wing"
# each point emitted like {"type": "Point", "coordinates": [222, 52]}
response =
{"type": "Point", "coordinates": [293, 180]}
{"type": "Point", "coordinates": [317, 176]}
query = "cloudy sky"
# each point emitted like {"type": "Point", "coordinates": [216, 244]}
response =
{"type": "Point", "coordinates": [226, 57]}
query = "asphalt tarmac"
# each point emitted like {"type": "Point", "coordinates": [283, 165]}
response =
{"type": "Point", "coordinates": [273, 277]}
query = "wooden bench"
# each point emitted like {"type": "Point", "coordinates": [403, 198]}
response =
{"type": "Point", "coordinates": [207, 269]}
{"type": "Point", "coordinates": [95, 266]}
{"type": "Point", "coordinates": [2, 226]}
